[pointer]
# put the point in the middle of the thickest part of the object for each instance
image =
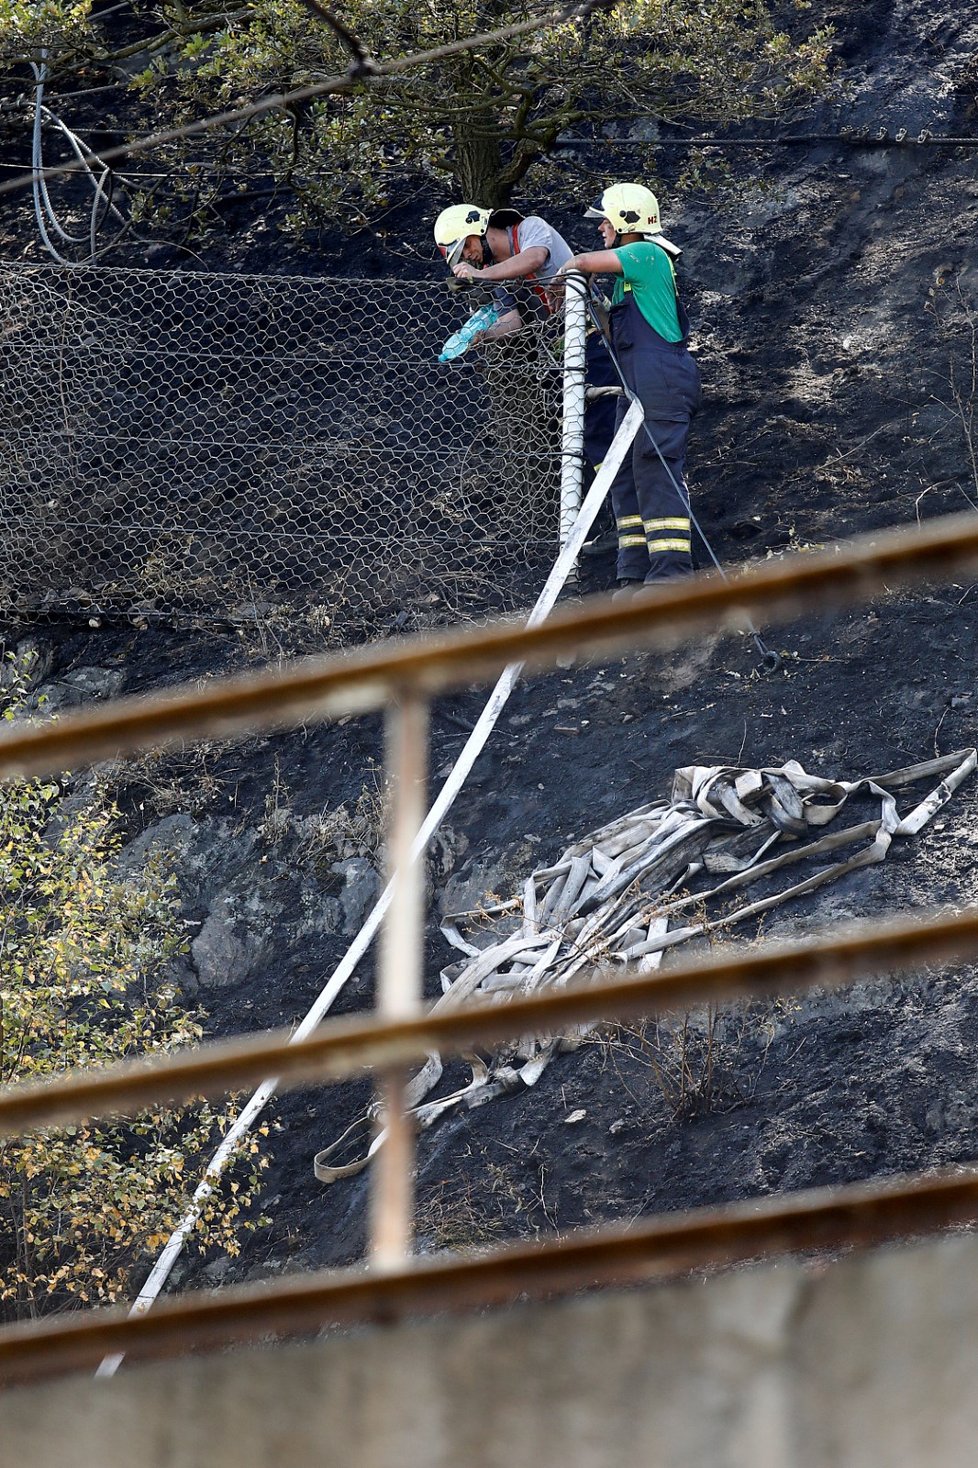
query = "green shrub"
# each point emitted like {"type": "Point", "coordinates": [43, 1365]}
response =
{"type": "Point", "coordinates": [85, 958]}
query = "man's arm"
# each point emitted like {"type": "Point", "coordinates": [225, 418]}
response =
{"type": "Point", "coordinates": [512, 321]}
{"type": "Point", "coordinates": [509, 321]}
{"type": "Point", "coordinates": [525, 263]}
{"type": "Point", "coordinates": [595, 262]}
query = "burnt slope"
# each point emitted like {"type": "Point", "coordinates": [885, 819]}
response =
{"type": "Point", "coordinates": [833, 302]}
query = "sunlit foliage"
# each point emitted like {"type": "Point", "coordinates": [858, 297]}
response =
{"type": "Point", "coordinates": [85, 952]}
{"type": "Point", "coordinates": [475, 124]}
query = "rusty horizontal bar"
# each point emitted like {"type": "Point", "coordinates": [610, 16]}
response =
{"type": "Point", "coordinates": [365, 679]}
{"type": "Point", "coordinates": [346, 1046]}
{"type": "Point", "coordinates": [826, 1218]}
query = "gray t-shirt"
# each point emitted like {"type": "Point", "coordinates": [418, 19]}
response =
{"type": "Point", "coordinates": [514, 296]}
{"type": "Point", "coordinates": [536, 231]}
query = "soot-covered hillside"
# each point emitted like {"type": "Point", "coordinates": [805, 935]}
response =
{"type": "Point", "coordinates": [834, 294]}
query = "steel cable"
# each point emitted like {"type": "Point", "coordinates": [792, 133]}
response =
{"type": "Point", "coordinates": [45, 213]}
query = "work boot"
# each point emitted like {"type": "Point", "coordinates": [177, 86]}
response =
{"type": "Point", "coordinates": [627, 587]}
{"type": "Point", "coordinates": [600, 544]}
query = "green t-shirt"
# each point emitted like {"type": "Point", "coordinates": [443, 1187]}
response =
{"type": "Point", "coordinates": [648, 273]}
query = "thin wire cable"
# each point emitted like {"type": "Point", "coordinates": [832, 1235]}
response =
{"type": "Point", "coordinates": [849, 136]}
{"type": "Point", "coordinates": [45, 213]}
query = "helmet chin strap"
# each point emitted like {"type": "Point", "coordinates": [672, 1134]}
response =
{"type": "Point", "coordinates": [486, 253]}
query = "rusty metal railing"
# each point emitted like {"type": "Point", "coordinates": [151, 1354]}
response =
{"type": "Point", "coordinates": [369, 678]}
{"type": "Point", "coordinates": [402, 678]}
{"type": "Point", "coordinates": [658, 1249]}
{"type": "Point", "coordinates": [342, 1048]}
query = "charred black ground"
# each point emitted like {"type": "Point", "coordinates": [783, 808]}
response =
{"type": "Point", "coordinates": [834, 302]}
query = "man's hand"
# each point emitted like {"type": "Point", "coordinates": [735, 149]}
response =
{"type": "Point", "coordinates": [464, 271]}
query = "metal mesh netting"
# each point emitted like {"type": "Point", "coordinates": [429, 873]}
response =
{"type": "Point", "coordinates": [178, 441]}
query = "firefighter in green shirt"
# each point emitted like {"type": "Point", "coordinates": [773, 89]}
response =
{"type": "Point", "coordinates": [649, 332]}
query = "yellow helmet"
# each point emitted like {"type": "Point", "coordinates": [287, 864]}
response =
{"type": "Point", "coordinates": [631, 209]}
{"type": "Point", "coordinates": [454, 225]}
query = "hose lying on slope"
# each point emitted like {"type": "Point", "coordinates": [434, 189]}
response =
{"type": "Point", "coordinates": [611, 897]}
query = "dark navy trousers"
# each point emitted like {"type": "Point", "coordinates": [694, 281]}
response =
{"type": "Point", "coordinates": [599, 414]}
{"type": "Point", "coordinates": [652, 513]}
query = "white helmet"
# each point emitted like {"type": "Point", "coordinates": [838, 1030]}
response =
{"type": "Point", "coordinates": [632, 209]}
{"type": "Point", "coordinates": [454, 225]}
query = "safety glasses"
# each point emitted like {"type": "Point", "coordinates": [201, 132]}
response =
{"type": "Point", "coordinates": [452, 252]}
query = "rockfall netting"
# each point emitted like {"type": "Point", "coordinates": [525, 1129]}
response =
{"type": "Point", "coordinates": [643, 884]}
{"type": "Point", "coordinates": [234, 444]}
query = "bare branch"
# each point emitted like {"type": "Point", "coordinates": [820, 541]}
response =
{"type": "Point", "coordinates": [363, 64]}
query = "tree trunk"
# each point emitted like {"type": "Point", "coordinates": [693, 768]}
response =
{"type": "Point", "coordinates": [478, 162]}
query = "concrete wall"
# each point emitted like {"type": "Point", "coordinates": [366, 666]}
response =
{"type": "Point", "coordinates": [870, 1361]}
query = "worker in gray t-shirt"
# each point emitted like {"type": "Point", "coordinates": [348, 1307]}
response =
{"type": "Point", "coordinates": [523, 255]}
{"type": "Point", "coordinates": [489, 245]}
